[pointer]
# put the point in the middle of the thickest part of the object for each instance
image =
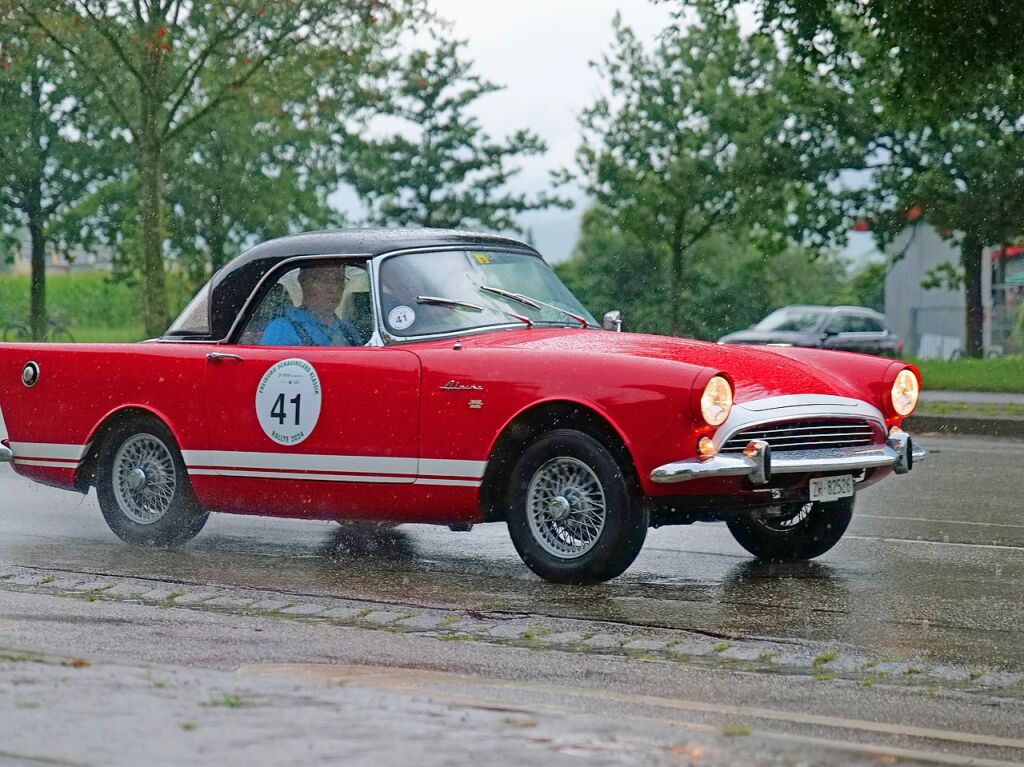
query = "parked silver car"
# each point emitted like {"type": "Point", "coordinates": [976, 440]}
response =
{"type": "Point", "coordinates": [846, 328]}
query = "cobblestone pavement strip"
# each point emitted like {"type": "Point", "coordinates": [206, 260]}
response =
{"type": "Point", "coordinates": [541, 633]}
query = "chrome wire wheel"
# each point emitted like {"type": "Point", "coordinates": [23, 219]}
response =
{"type": "Point", "coordinates": [565, 507]}
{"type": "Point", "coordinates": [144, 479]}
{"type": "Point", "coordinates": [787, 523]}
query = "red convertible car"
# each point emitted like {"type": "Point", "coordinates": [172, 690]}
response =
{"type": "Point", "coordinates": [450, 378]}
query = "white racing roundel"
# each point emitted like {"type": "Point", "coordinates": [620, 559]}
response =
{"type": "Point", "coordinates": [401, 317]}
{"type": "Point", "coordinates": [288, 401]}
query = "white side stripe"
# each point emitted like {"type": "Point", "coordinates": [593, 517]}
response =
{"type": "Point", "coordinates": [366, 478]}
{"type": "Point", "coordinates": [50, 450]}
{"type": "Point", "coordinates": [48, 464]}
{"type": "Point", "coordinates": [229, 460]}
{"type": "Point", "coordinates": [302, 466]}
{"type": "Point", "coordinates": [436, 467]}
{"type": "Point", "coordinates": [299, 462]}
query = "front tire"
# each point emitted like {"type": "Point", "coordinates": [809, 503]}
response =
{"type": "Point", "coordinates": [807, 532]}
{"type": "Point", "coordinates": [143, 487]}
{"type": "Point", "coordinates": [574, 514]}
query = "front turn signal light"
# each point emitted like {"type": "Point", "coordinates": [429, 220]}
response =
{"type": "Point", "coordinates": [706, 448]}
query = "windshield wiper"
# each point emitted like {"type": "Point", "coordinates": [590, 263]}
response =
{"type": "Point", "coordinates": [533, 303]}
{"type": "Point", "coordinates": [453, 303]}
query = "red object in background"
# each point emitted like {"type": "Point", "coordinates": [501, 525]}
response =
{"type": "Point", "coordinates": [862, 226]}
{"type": "Point", "coordinates": [914, 213]}
{"type": "Point", "coordinates": [1010, 251]}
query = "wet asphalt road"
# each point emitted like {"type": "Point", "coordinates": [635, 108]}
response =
{"type": "Point", "coordinates": [932, 566]}
{"type": "Point", "coordinates": [931, 572]}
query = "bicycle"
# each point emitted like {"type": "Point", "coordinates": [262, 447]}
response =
{"type": "Point", "coordinates": [56, 332]}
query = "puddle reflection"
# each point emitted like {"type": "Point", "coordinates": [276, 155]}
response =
{"type": "Point", "coordinates": [379, 542]}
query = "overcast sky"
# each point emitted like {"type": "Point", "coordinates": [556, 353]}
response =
{"type": "Point", "coordinates": [541, 52]}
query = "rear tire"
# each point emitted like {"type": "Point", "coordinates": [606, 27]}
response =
{"type": "Point", "coordinates": [143, 487]}
{"type": "Point", "coordinates": [810, 531]}
{"type": "Point", "coordinates": [574, 514]}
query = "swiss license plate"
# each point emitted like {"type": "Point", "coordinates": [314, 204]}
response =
{"type": "Point", "coordinates": [831, 488]}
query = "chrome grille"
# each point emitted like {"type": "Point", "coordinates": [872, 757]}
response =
{"type": "Point", "coordinates": [805, 435]}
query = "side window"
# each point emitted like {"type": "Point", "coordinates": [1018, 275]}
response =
{"type": "Point", "coordinates": [839, 324]}
{"type": "Point", "coordinates": [315, 304]}
{"type": "Point", "coordinates": [852, 323]}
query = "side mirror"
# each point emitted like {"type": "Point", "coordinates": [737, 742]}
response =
{"type": "Point", "coordinates": [612, 321]}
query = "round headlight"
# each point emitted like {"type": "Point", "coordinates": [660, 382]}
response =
{"type": "Point", "coordinates": [905, 391]}
{"type": "Point", "coordinates": [716, 401]}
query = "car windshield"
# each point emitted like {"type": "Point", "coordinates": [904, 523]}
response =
{"type": "Point", "coordinates": [470, 277]}
{"type": "Point", "coordinates": [794, 320]}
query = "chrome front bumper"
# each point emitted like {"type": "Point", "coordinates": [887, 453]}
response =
{"type": "Point", "coordinates": [757, 462]}
{"type": "Point", "coordinates": [6, 456]}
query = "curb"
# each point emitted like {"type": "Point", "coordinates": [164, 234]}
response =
{"type": "Point", "coordinates": [823, 661]}
{"type": "Point", "coordinates": [988, 427]}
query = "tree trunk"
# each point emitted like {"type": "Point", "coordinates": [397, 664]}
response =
{"type": "Point", "coordinates": [34, 214]}
{"type": "Point", "coordinates": [971, 254]}
{"type": "Point", "coordinates": [218, 247]}
{"type": "Point", "coordinates": [37, 312]}
{"type": "Point", "coordinates": [154, 288]}
{"type": "Point", "coordinates": [675, 279]}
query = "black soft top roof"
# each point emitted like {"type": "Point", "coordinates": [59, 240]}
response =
{"type": "Point", "coordinates": [235, 282]}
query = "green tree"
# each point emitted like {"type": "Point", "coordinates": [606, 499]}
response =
{"type": "Point", "coordinates": [163, 68]}
{"type": "Point", "coordinates": [253, 175]}
{"type": "Point", "coordinates": [955, 44]}
{"type": "Point", "coordinates": [732, 283]}
{"type": "Point", "coordinates": [683, 148]}
{"type": "Point", "coordinates": [866, 286]}
{"type": "Point", "coordinates": [440, 168]}
{"type": "Point", "coordinates": [923, 101]}
{"type": "Point", "coordinates": [49, 166]}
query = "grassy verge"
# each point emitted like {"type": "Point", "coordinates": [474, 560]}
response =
{"type": "Point", "coordinates": [1003, 374]}
{"type": "Point", "coordinates": [118, 335]}
{"type": "Point", "coordinates": [942, 409]}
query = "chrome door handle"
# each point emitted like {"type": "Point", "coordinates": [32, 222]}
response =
{"type": "Point", "coordinates": [219, 357]}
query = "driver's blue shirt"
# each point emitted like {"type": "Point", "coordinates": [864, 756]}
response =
{"type": "Point", "coordinates": [300, 328]}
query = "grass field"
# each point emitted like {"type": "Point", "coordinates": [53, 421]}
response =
{"type": "Point", "coordinates": [125, 334]}
{"type": "Point", "coordinates": [1005, 374]}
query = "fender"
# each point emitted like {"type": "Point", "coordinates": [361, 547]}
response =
{"type": "Point", "coordinates": [570, 400]}
{"type": "Point", "coordinates": [83, 475]}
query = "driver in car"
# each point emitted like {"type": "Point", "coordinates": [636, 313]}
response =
{"type": "Point", "coordinates": [315, 322]}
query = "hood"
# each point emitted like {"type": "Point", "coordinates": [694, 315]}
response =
{"type": "Point", "coordinates": [756, 372]}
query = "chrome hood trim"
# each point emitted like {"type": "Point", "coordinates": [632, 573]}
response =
{"type": "Point", "coordinates": [791, 407]}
